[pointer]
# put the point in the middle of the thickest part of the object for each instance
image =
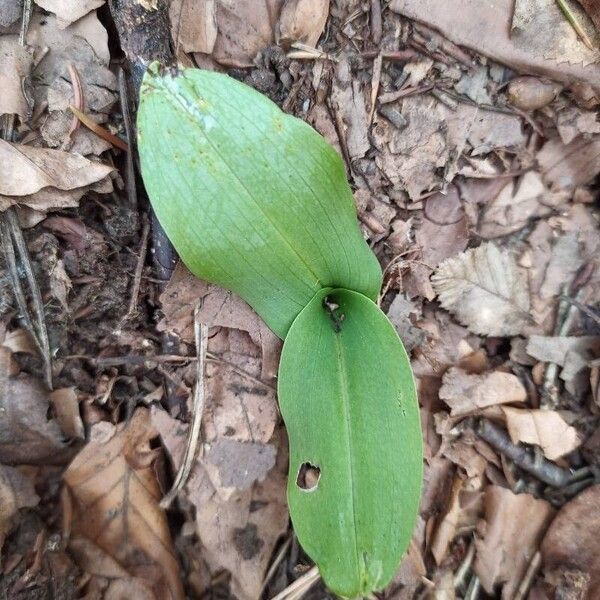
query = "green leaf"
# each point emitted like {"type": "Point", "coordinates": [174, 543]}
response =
{"type": "Point", "coordinates": [348, 399]}
{"type": "Point", "coordinates": [252, 199]}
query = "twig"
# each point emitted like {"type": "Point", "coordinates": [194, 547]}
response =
{"type": "Point", "coordinates": [539, 467]}
{"type": "Point", "coordinates": [129, 135]}
{"type": "Point", "coordinates": [99, 130]}
{"type": "Point", "coordinates": [200, 335]}
{"type": "Point", "coordinates": [25, 21]}
{"type": "Point", "coordinates": [137, 280]}
{"type": "Point", "coordinates": [12, 239]}
{"type": "Point", "coordinates": [78, 99]}
{"type": "Point", "coordinates": [572, 19]}
{"type": "Point", "coordinates": [298, 588]}
{"type": "Point", "coordinates": [527, 580]}
{"type": "Point", "coordinates": [276, 562]}
{"type": "Point", "coordinates": [583, 308]}
{"type": "Point", "coordinates": [473, 589]}
{"type": "Point", "coordinates": [465, 567]}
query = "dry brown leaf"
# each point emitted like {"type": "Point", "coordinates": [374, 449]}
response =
{"type": "Point", "coordinates": [573, 539]}
{"type": "Point", "coordinates": [566, 167]}
{"type": "Point", "coordinates": [19, 340]}
{"type": "Point", "coordinates": [26, 171]}
{"type": "Point", "coordinates": [514, 525]}
{"type": "Point", "coordinates": [485, 28]}
{"type": "Point", "coordinates": [15, 64]}
{"type": "Point", "coordinates": [446, 530]}
{"type": "Point", "coordinates": [244, 29]}
{"type": "Point", "coordinates": [239, 532]}
{"type": "Point", "coordinates": [466, 393]}
{"type": "Point", "coordinates": [444, 230]}
{"type": "Point", "coordinates": [69, 11]}
{"type": "Point", "coordinates": [220, 308]}
{"type": "Point", "coordinates": [26, 435]}
{"type": "Point", "coordinates": [544, 428]}
{"type": "Point", "coordinates": [348, 101]}
{"type": "Point", "coordinates": [303, 21]}
{"type": "Point", "coordinates": [16, 491]}
{"type": "Point", "coordinates": [484, 288]}
{"type": "Point", "coordinates": [115, 503]}
{"type": "Point", "coordinates": [194, 24]}
{"type": "Point", "coordinates": [66, 407]}
{"type": "Point", "coordinates": [399, 314]}
{"type": "Point", "coordinates": [573, 121]}
{"type": "Point", "coordinates": [517, 204]}
{"type": "Point", "coordinates": [10, 11]}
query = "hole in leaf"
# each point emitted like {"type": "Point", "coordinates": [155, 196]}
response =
{"type": "Point", "coordinates": [308, 477]}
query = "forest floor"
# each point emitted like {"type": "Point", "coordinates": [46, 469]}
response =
{"type": "Point", "coordinates": [471, 138]}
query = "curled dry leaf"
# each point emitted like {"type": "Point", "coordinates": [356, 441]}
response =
{"type": "Point", "coordinates": [303, 21]}
{"type": "Point", "coordinates": [16, 491]}
{"type": "Point", "coordinates": [27, 173]}
{"type": "Point", "coordinates": [115, 504]}
{"type": "Point", "coordinates": [66, 407]}
{"type": "Point", "coordinates": [573, 540]}
{"type": "Point", "coordinates": [544, 428]}
{"type": "Point", "coordinates": [509, 537]}
{"type": "Point", "coordinates": [465, 393]}
{"type": "Point", "coordinates": [485, 290]}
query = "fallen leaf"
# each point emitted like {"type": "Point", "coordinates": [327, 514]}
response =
{"type": "Point", "coordinates": [573, 121]}
{"type": "Point", "coordinates": [544, 428]}
{"type": "Point", "coordinates": [10, 11]}
{"type": "Point", "coordinates": [486, 28]}
{"type": "Point", "coordinates": [473, 84]}
{"type": "Point", "coordinates": [556, 349]}
{"type": "Point", "coordinates": [303, 21]}
{"type": "Point", "coordinates": [348, 101]}
{"type": "Point", "coordinates": [115, 503]}
{"type": "Point", "coordinates": [194, 24]}
{"type": "Point", "coordinates": [26, 171]}
{"type": "Point", "coordinates": [66, 407]}
{"type": "Point", "coordinates": [16, 492]}
{"type": "Point", "coordinates": [566, 167]}
{"type": "Point", "coordinates": [219, 308]}
{"type": "Point", "coordinates": [399, 314]}
{"type": "Point", "coordinates": [517, 204]}
{"type": "Point", "coordinates": [238, 533]}
{"type": "Point", "coordinates": [26, 435]}
{"type": "Point", "coordinates": [446, 529]}
{"type": "Point", "coordinates": [514, 525]}
{"type": "Point", "coordinates": [444, 230]}
{"type": "Point", "coordinates": [465, 393]}
{"type": "Point", "coordinates": [15, 64]}
{"type": "Point", "coordinates": [540, 28]}
{"type": "Point", "coordinates": [484, 288]}
{"type": "Point", "coordinates": [68, 11]}
{"type": "Point", "coordinates": [244, 29]}
{"type": "Point", "coordinates": [573, 539]}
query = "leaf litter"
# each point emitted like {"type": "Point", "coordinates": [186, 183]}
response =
{"type": "Point", "coordinates": [474, 163]}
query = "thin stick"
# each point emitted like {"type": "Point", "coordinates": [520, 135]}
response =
{"type": "Point", "coordinates": [575, 24]}
{"type": "Point", "coordinates": [298, 588]}
{"type": "Point", "coordinates": [130, 169]}
{"type": "Point", "coordinates": [25, 21]}
{"type": "Point", "coordinates": [13, 239]}
{"type": "Point", "coordinates": [200, 335]}
{"type": "Point", "coordinates": [465, 567]}
{"type": "Point", "coordinates": [532, 569]}
{"type": "Point", "coordinates": [78, 98]}
{"type": "Point", "coordinates": [99, 130]}
{"type": "Point", "coordinates": [276, 562]}
{"type": "Point", "coordinates": [137, 279]}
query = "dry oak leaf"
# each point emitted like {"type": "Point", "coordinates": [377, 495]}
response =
{"type": "Point", "coordinates": [465, 393]}
{"type": "Point", "coordinates": [544, 428]}
{"type": "Point", "coordinates": [115, 497]}
{"type": "Point", "coordinates": [573, 540]}
{"type": "Point", "coordinates": [509, 537]}
{"type": "Point", "coordinates": [26, 171]}
{"type": "Point", "coordinates": [485, 290]}
{"type": "Point", "coordinates": [69, 11]}
{"type": "Point", "coordinates": [303, 21]}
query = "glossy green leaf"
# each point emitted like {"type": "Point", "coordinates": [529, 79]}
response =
{"type": "Point", "coordinates": [348, 399]}
{"type": "Point", "coordinates": [252, 199]}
